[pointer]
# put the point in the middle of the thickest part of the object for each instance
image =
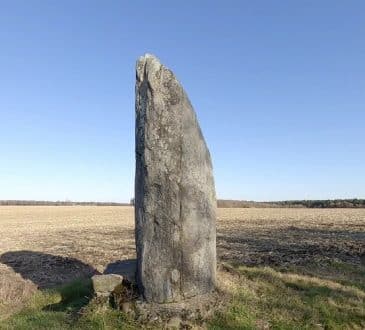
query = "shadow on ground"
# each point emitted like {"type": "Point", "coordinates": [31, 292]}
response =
{"type": "Point", "coordinates": [127, 268]}
{"type": "Point", "coordinates": [328, 254]}
{"type": "Point", "coordinates": [290, 246]}
{"type": "Point", "coordinates": [269, 299]}
{"type": "Point", "coordinates": [68, 278]}
{"type": "Point", "coordinates": [74, 296]}
{"type": "Point", "coordinates": [46, 270]}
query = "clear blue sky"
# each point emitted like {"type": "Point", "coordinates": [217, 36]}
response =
{"type": "Point", "coordinates": [278, 87]}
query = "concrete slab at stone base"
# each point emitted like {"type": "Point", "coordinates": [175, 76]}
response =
{"type": "Point", "coordinates": [104, 285]}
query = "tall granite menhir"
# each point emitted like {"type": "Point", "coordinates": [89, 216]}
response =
{"type": "Point", "coordinates": [175, 201]}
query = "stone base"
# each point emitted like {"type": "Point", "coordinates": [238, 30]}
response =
{"type": "Point", "coordinates": [186, 314]}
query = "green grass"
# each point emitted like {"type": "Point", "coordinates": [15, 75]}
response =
{"type": "Point", "coordinates": [265, 298]}
{"type": "Point", "coordinates": [68, 307]}
{"type": "Point", "coordinates": [261, 298]}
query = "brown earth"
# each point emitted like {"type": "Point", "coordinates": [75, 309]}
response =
{"type": "Point", "coordinates": [45, 246]}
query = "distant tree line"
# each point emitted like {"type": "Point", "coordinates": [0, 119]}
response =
{"type": "Point", "coordinates": [59, 203]}
{"type": "Point", "coordinates": [329, 203]}
{"type": "Point", "coordinates": [228, 203]}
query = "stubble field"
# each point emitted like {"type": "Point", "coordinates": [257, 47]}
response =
{"type": "Point", "coordinates": [304, 253]}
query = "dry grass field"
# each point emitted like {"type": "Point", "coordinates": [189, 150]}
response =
{"type": "Point", "coordinates": [299, 249]}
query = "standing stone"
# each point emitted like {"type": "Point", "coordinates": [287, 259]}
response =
{"type": "Point", "coordinates": [175, 201]}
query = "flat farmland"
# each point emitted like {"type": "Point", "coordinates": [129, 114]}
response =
{"type": "Point", "coordinates": [46, 246]}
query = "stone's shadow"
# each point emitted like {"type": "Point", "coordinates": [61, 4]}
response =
{"type": "Point", "coordinates": [69, 277]}
{"type": "Point", "coordinates": [74, 296]}
{"type": "Point", "coordinates": [127, 268]}
{"type": "Point", "coordinates": [129, 291]}
{"type": "Point", "coordinates": [47, 270]}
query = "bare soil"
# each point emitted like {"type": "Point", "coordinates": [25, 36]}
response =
{"type": "Point", "coordinates": [45, 246]}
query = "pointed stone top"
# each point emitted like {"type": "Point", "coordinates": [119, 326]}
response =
{"type": "Point", "coordinates": [146, 65]}
{"type": "Point", "coordinates": [148, 55]}
{"type": "Point", "coordinates": [149, 68]}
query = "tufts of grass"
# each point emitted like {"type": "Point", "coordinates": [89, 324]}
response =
{"type": "Point", "coordinates": [261, 298]}
{"type": "Point", "coordinates": [339, 271]}
{"type": "Point", "coordinates": [68, 307]}
{"type": "Point", "coordinates": [36, 314]}
{"type": "Point", "coordinates": [72, 297]}
{"type": "Point", "coordinates": [97, 317]}
{"type": "Point", "coordinates": [269, 299]}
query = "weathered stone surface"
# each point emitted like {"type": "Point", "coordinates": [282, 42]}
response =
{"type": "Point", "coordinates": [175, 202]}
{"type": "Point", "coordinates": [104, 285]}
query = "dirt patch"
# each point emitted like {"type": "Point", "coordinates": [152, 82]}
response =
{"type": "Point", "coordinates": [43, 246]}
{"type": "Point", "coordinates": [14, 291]}
{"type": "Point", "coordinates": [285, 237]}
